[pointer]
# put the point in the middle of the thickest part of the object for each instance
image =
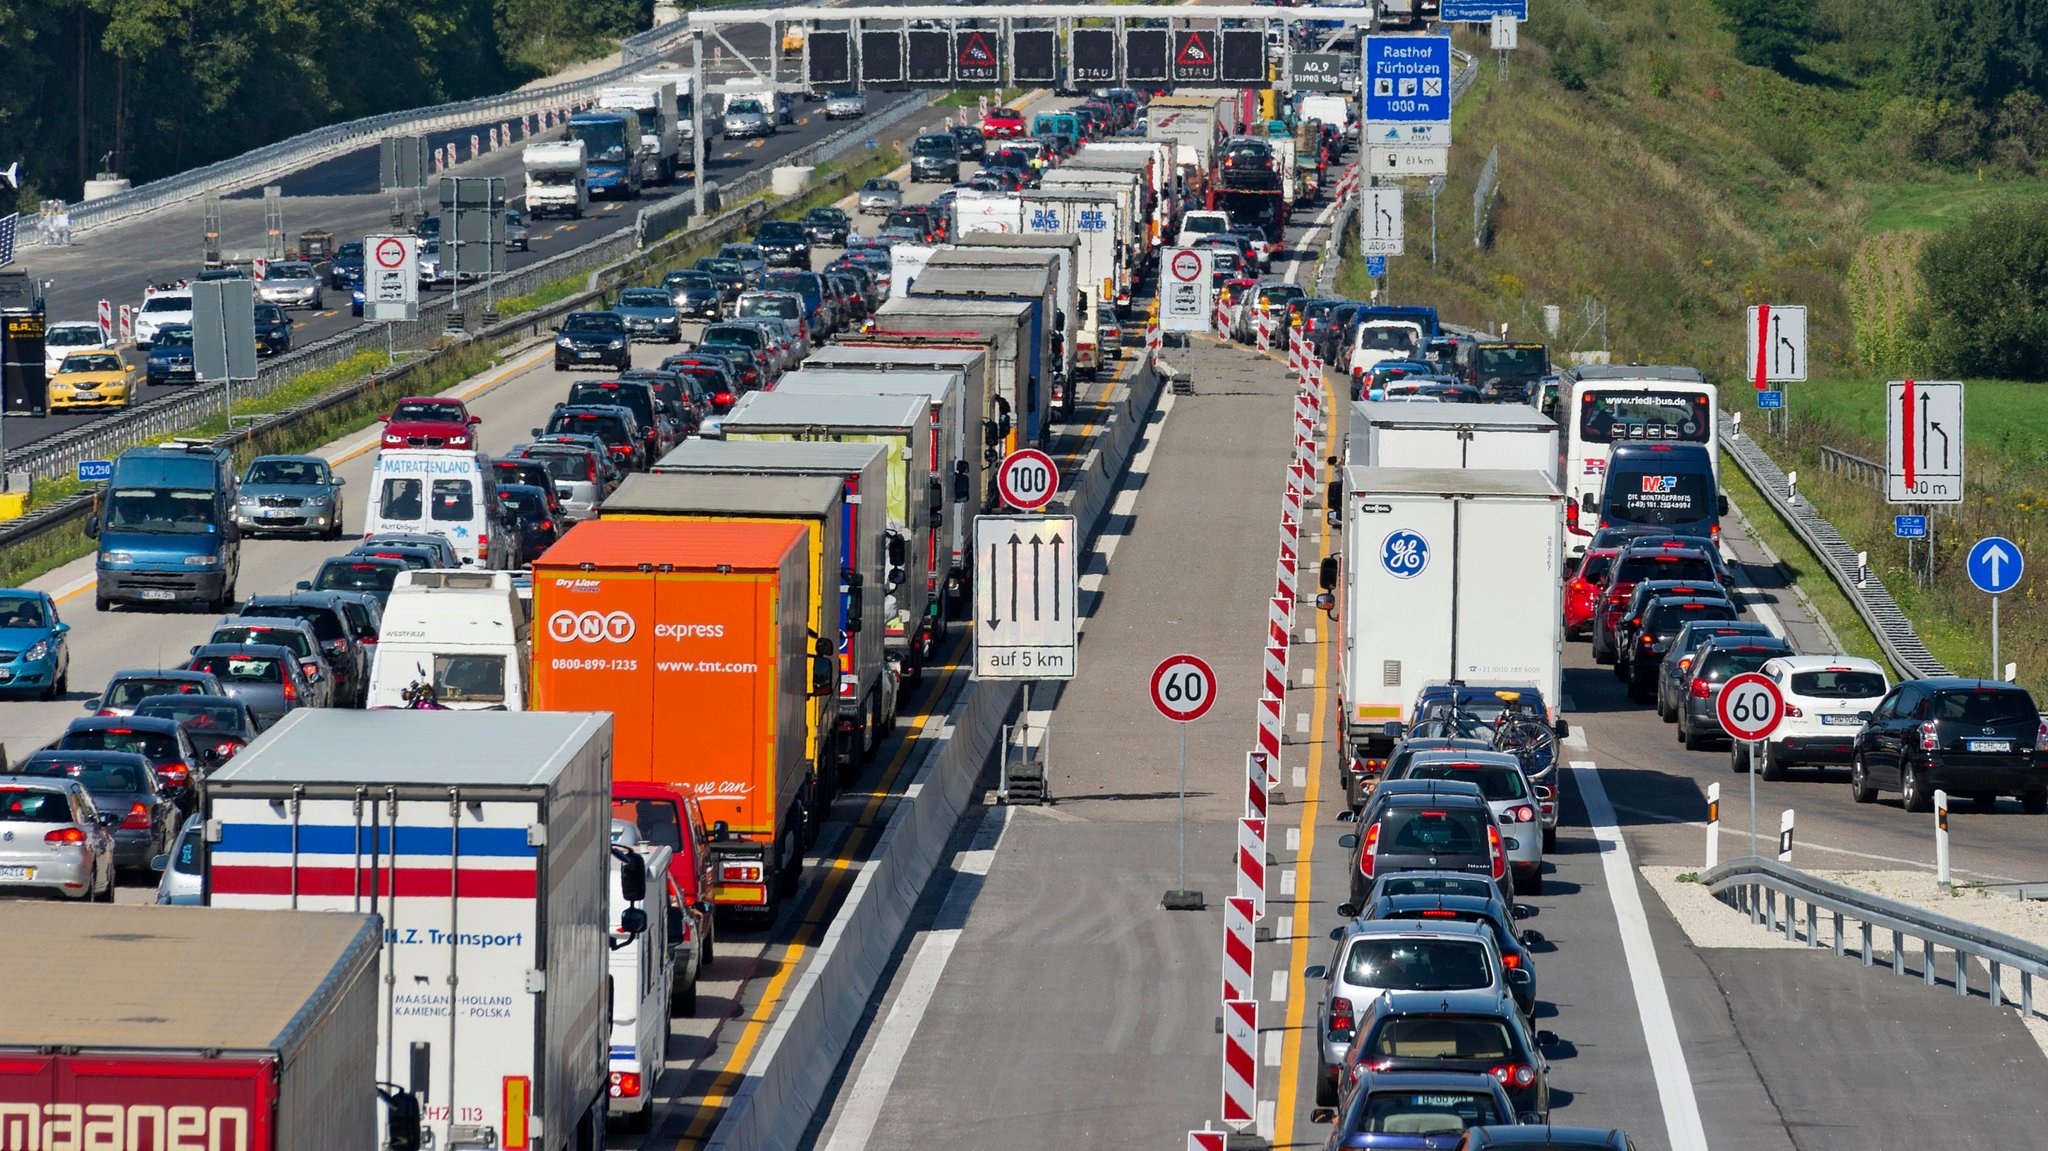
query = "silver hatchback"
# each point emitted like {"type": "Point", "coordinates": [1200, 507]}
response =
{"type": "Point", "coordinates": [52, 839]}
{"type": "Point", "coordinates": [1516, 803]}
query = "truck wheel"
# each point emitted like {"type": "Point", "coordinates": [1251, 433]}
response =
{"type": "Point", "coordinates": [791, 872]}
{"type": "Point", "coordinates": [1549, 839]}
{"type": "Point", "coordinates": [685, 1003]}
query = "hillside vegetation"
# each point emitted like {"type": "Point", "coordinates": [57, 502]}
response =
{"type": "Point", "coordinates": [1665, 163]}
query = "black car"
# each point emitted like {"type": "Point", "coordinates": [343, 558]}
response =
{"type": "Point", "coordinates": [273, 330]}
{"type": "Point", "coordinates": [935, 156]}
{"type": "Point", "coordinates": [784, 243]}
{"type": "Point", "coordinates": [1435, 827]}
{"type": "Point", "coordinates": [593, 339]}
{"type": "Point", "coordinates": [973, 145]}
{"type": "Point", "coordinates": [685, 404]}
{"type": "Point", "coordinates": [125, 791]}
{"type": "Point", "coordinates": [1481, 1031]}
{"type": "Point", "coordinates": [349, 658]}
{"type": "Point", "coordinates": [1717, 662]}
{"type": "Point", "coordinates": [162, 742]}
{"type": "Point", "coordinates": [1674, 671]}
{"type": "Point", "coordinates": [1651, 630]}
{"type": "Point", "coordinates": [826, 225]}
{"type": "Point", "coordinates": [696, 295]}
{"type": "Point", "coordinates": [729, 274]}
{"type": "Point", "coordinates": [612, 424]}
{"type": "Point", "coordinates": [1546, 1138]}
{"type": "Point", "coordinates": [346, 269]}
{"type": "Point", "coordinates": [534, 526]}
{"type": "Point", "coordinates": [1635, 564]}
{"type": "Point", "coordinates": [658, 430]}
{"type": "Point", "coordinates": [218, 725]}
{"type": "Point", "coordinates": [1976, 737]}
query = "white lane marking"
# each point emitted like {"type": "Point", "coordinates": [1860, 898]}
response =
{"type": "Point", "coordinates": [1127, 500]}
{"type": "Point", "coordinates": [1576, 739]}
{"type": "Point", "coordinates": [1682, 1125]}
{"type": "Point", "coordinates": [1308, 677]}
{"type": "Point", "coordinates": [1286, 886]}
{"type": "Point", "coordinates": [1278, 992]}
{"type": "Point", "coordinates": [1272, 1045]}
{"type": "Point", "coordinates": [1294, 840]}
{"type": "Point", "coordinates": [1283, 928]}
{"type": "Point", "coordinates": [1268, 1110]}
{"type": "Point", "coordinates": [1092, 582]}
{"type": "Point", "coordinates": [1301, 723]}
{"type": "Point", "coordinates": [1766, 615]}
{"type": "Point", "coordinates": [1308, 634]}
{"type": "Point", "coordinates": [870, 1091]}
{"type": "Point", "coordinates": [1300, 778]}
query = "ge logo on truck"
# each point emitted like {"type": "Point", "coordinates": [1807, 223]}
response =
{"type": "Point", "coordinates": [1404, 554]}
{"type": "Point", "coordinates": [591, 626]}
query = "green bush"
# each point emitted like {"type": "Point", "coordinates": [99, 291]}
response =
{"type": "Point", "coordinates": [1986, 305]}
{"type": "Point", "coordinates": [1768, 33]}
{"type": "Point", "coordinates": [1581, 51]}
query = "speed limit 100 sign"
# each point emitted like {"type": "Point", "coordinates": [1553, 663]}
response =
{"type": "Point", "coordinates": [1183, 688]}
{"type": "Point", "coordinates": [1750, 707]}
{"type": "Point", "coordinates": [1027, 479]}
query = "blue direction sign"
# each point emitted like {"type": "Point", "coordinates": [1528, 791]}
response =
{"type": "Point", "coordinates": [1408, 80]}
{"type": "Point", "coordinates": [1375, 266]}
{"type": "Point", "coordinates": [1770, 401]}
{"type": "Point", "coordinates": [95, 471]}
{"type": "Point", "coordinates": [1482, 11]}
{"type": "Point", "coordinates": [1996, 565]}
{"type": "Point", "coordinates": [1909, 527]}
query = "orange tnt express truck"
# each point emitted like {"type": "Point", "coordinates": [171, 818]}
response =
{"type": "Point", "coordinates": [694, 636]}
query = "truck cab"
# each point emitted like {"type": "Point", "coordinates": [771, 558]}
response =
{"type": "Point", "coordinates": [166, 527]}
{"type": "Point", "coordinates": [611, 141]}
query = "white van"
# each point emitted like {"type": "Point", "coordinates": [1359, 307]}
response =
{"type": "Point", "coordinates": [464, 631]}
{"type": "Point", "coordinates": [641, 976]}
{"type": "Point", "coordinates": [441, 492]}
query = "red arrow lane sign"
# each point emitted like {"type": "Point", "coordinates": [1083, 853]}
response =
{"type": "Point", "coordinates": [1906, 423]}
{"type": "Point", "coordinates": [1763, 345]}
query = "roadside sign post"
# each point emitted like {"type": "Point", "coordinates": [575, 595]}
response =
{"type": "Point", "coordinates": [1996, 565]}
{"type": "Point", "coordinates": [1183, 689]}
{"type": "Point", "coordinates": [1026, 622]}
{"type": "Point", "coordinates": [1382, 229]}
{"type": "Point", "coordinates": [1407, 91]}
{"type": "Point", "coordinates": [1713, 825]}
{"type": "Point", "coordinates": [1187, 291]}
{"type": "Point", "coordinates": [1941, 838]}
{"type": "Point", "coordinates": [1774, 337]}
{"type": "Point", "coordinates": [1750, 709]}
{"type": "Point", "coordinates": [95, 471]}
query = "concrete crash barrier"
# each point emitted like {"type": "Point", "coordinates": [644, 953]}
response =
{"type": "Point", "coordinates": [789, 1077]}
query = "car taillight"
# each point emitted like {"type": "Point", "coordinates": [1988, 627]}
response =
{"type": "Point", "coordinates": [722, 398]}
{"type": "Point", "coordinates": [1341, 1018]}
{"type": "Point", "coordinates": [291, 693]}
{"type": "Point", "coordinates": [1928, 742]}
{"type": "Point", "coordinates": [174, 774]}
{"type": "Point", "coordinates": [2041, 737]}
{"type": "Point", "coordinates": [1435, 913]}
{"type": "Point", "coordinates": [138, 819]}
{"type": "Point", "coordinates": [625, 1084]}
{"type": "Point", "coordinates": [1368, 853]}
{"type": "Point", "coordinates": [1496, 856]}
{"type": "Point", "coordinates": [1699, 689]}
{"type": "Point", "coordinates": [1793, 712]}
{"type": "Point", "coordinates": [739, 872]}
{"type": "Point", "coordinates": [1514, 1074]}
{"type": "Point", "coordinates": [65, 835]}
{"type": "Point", "coordinates": [1649, 641]}
{"type": "Point", "coordinates": [1522, 813]}
{"type": "Point", "coordinates": [547, 525]}
{"type": "Point", "coordinates": [1510, 961]}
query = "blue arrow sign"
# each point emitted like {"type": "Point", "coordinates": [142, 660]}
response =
{"type": "Point", "coordinates": [1909, 527]}
{"type": "Point", "coordinates": [1996, 565]}
{"type": "Point", "coordinates": [1408, 79]}
{"type": "Point", "coordinates": [95, 471]}
{"type": "Point", "coordinates": [1482, 11]}
{"type": "Point", "coordinates": [1770, 401]}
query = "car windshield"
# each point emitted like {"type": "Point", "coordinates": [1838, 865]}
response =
{"type": "Point", "coordinates": [526, 505]}
{"type": "Point", "coordinates": [1594, 569]}
{"type": "Point", "coordinates": [430, 410]}
{"type": "Point", "coordinates": [936, 145]}
{"type": "Point", "coordinates": [174, 338]}
{"type": "Point", "coordinates": [771, 306]}
{"type": "Point", "coordinates": [269, 314]}
{"type": "Point", "coordinates": [644, 298]}
{"type": "Point", "coordinates": [196, 716]}
{"type": "Point", "coordinates": [659, 820]}
{"type": "Point", "coordinates": [65, 336]}
{"type": "Point", "coordinates": [1423, 1113]}
{"type": "Point", "coordinates": [97, 778]}
{"type": "Point", "coordinates": [291, 639]}
{"type": "Point", "coordinates": [826, 215]}
{"type": "Point", "coordinates": [743, 334]}
{"type": "Point", "coordinates": [562, 465]}
{"type": "Point", "coordinates": [348, 575]}
{"type": "Point", "coordinates": [286, 472]}
{"type": "Point", "coordinates": [1665, 617]}
{"type": "Point", "coordinates": [687, 280]}
{"type": "Point", "coordinates": [126, 693]}
{"type": "Point", "coordinates": [740, 252]}
{"type": "Point", "coordinates": [1497, 782]}
{"type": "Point", "coordinates": [33, 805]}
{"type": "Point", "coordinates": [881, 186]}
{"type": "Point", "coordinates": [239, 668]}
{"type": "Point", "coordinates": [157, 746]}
{"type": "Point", "coordinates": [81, 362]}
{"type": "Point", "coordinates": [167, 304]}
{"type": "Point", "coordinates": [1614, 416]}
{"type": "Point", "coordinates": [1376, 339]}
{"type": "Point", "coordinates": [289, 271]}
{"type": "Point", "coordinates": [1419, 883]}
{"type": "Point", "coordinates": [1416, 964]}
{"type": "Point", "coordinates": [780, 230]}
{"type": "Point", "coordinates": [1652, 565]}
{"type": "Point", "coordinates": [1441, 1037]}
{"type": "Point", "coordinates": [1419, 831]}
{"type": "Point", "coordinates": [720, 265]}
{"type": "Point", "coordinates": [180, 511]}
{"type": "Point", "coordinates": [1838, 683]}
{"type": "Point", "coordinates": [23, 611]}
{"type": "Point", "coordinates": [469, 678]}
{"type": "Point", "coordinates": [604, 323]}
{"type": "Point", "coordinates": [1722, 664]}
{"type": "Point", "coordinates": [1983, 708]}
{"type": "Point", "coordinates": [743, 107]}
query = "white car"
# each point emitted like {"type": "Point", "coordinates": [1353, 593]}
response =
{"type": "Point", "coordinates": [161, 310]}
{"type": "Point", "coordinates": [1826, 698]}
{"type": "Point", "coordinates": [184, 869]}
{"type": "Point", "coordinates": [69, 336]}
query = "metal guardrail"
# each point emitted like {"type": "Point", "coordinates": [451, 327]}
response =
{"type": "Point", "coordinates": [1902, 645]}
{"type": "Point", "coordinates": [1861, 469]}
{"type": "Point", "coordinates": [1773, 894]}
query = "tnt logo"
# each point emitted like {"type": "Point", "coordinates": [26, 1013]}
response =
{"type": "Point", "coordinates": [591, 626]}
{"type": "Point", "coordinates": [1659, 485]}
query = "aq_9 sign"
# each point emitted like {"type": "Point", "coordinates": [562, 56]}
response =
{"type": "Point", "coordinates": [1750, 707]}
{"type": "Point", "coordinates": [1183, 688]}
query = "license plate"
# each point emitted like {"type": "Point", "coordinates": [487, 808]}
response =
{"type": "Point", "coordinates": [1839, 721]}
{"type": "Point", "coordinates": [16, 874]}
{"type": "Point", "coordinates": [1988, 744]}
{"type": "Point", "coordinates": [278, 513]}
{"type": "Point", "coordinates": [587, 355]}
{"type": "Point", "coordinates": [158, 593]}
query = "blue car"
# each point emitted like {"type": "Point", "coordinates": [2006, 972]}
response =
{"type": "Point", "coordinates": [34, 656]}
{"type": "Point", "coordinates": [355, 303]}
{"type": "Point", "coordinates": [170, 356]}
{"type": "Point", "coordinates": [346, 271]}
{"type": "Point", "coordinates": [1420, 1111]}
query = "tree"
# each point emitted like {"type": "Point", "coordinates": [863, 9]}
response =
{"type": "Point", "coordinates": [1985, 310]}
{"type": "Point", "coordinates": [1768, 33]}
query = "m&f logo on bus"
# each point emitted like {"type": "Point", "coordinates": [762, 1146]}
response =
{"type": "Point", "coordinates": [1659, 485]}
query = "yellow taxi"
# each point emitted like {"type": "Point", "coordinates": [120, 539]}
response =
{"type": "Point", "coordinates": [94, 378]}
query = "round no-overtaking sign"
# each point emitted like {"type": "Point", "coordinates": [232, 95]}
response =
{"type": "Point", "coordinates": [390, 252]}
{"type": "Point", "coordinates": [1186, 266]}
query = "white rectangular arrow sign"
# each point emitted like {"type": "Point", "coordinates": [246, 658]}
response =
{"type": "Point", "coordinates": [1025, 584]}
{"type": "Point", "coordinates": [1381, 231]}
{"type": "Point", "coordinates": [1776, 339]}
{"type": "Point", "coordinates": [1923, 456]}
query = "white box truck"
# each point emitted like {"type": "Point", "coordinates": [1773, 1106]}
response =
{"type": "Point", "coordinates": [483, 839]}
{"type": "Point", "coordinates": [1087, 218]}
{"type": "Point", "coordinates": [557, 179]}
{"type": "Point", "coordinates": [1442, 574]}
{"type": "Point", "coordinates": [462, 631]}
{"type": "Point", "coordinates": [1501, 437]}
{"type": "Point", "coordinates": [660, 140]}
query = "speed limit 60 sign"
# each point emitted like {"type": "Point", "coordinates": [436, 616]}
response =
{"type": "Point", "coordinates": [1183, 688]}
{"type": "Point", "coordinates": [1750, 707]}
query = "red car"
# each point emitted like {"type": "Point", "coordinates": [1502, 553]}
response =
{"type": "Point", "coordinates": [1582, 590]}
{"type": "Point", "coordinates": [673, 820]}
{"type": "Point", "coordinates": [1002, 124]}
{"type": "Point", "coordinates": [430, 422]}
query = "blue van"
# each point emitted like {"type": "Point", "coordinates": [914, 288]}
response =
{"type": "Point", "coordinates": [1666, 487]}
{"type": "Point", "coordinates": [166, 527]}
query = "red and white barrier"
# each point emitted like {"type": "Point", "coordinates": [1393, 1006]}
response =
{"type": "Point", "coordinates": [1221, 320]}
{"type": "Point", "coordinates": [1276, 671]}
{"type": "Point", "coordinates": [505, 133]}
{"type": "Point", "coordinates": [473, 142]}
{"type": "Point", "coordinates": [260, 267]}
{"type": "Point", "coordinates": [1251, 863]}
{"type": "Point", "coordinates": [1262, 331]}
{"type": "Point", "coordinates": [1237, 949]}
{"type": "Point", "coordinates": [494, 137]}
{"type": "Point", "coordinates": [126, 318]}
{"type": "Point", "coordinates": [1269, 729]}
{"type": "Point", "coordinates": [1240, 1062]}
{"type": "Point", "coordinates": [1259, 773]}
{"type": "Point", "coordinates": [106, 318]}
{"type": "Point", "coordinates": [1208, 1140]}
{"type": "Point", "coordinates": [1154, 340]}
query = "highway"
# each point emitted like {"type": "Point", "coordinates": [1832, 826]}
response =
{"type": "Point", "coordinates": [1044, 998]}
{"type": "Point", "coordinates": [117, 261]}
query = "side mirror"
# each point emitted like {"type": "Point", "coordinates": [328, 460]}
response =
{"type": "Point", "coordinates": [92, 525]}
{"type": "Point", "coordinates": [936, 501]}
{"type": "Point", "coordinates": [1326, 574]}
{"type": "Point", "coordinates": [1347, 840]}
{"type": "Point", "coordinates": [1586, 502]}
{"type": "Point", "coordinates": [720, 830]}
{"type": "Point", "coordinates": [159, 863]}
{"type": "Point", "coordinates": [476, 419]}
{"type": "Point", "coordinates": [824, 674]}
{"type": "Point", "coordinates": [1521, 911]}
{"type": "Point", "coordinates": [1521, 976]}
{"type": "Point", "coordinates": [632, 874]}
{"type": "Point", "coordinates": [1393, 729]}
{"type": "Point", "coordinates": [338, 482]}
{"type": "Point", "coordinates": [1325, 602]}
{"type": "Point", "coordinates": [1546, 1039]}
{"type": "Point", "coordinates": [537, 432]}
{"type": "Point", "coordinates": [633, 921]}
{"type": "Point", "coordinates": [1533, 939]}
{"type": "Point", "coordinates": [1863, 715]}
{"type": "Point", "coordinates": [1335, 495]}
{"type": "Point", "coordinates": [1348, 910]}
{"type": "Point", "coordinates": [304, 585]}
{"type": "Point", "coordinates": [899, 553]}
{"type": "Point", "coordinates": [1317, 970]}
{"type": "Point", "coordinates": [961, 490]}
{"type": "Point", "coordinates": [1720, 505]}
{"type": "Point", "coordinates": [92, 704]}
{"type": "Point", "coordinates": [402, 1118]}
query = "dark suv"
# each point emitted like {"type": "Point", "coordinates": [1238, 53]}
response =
{"type": "Point", "coordinates": [1426, 826]}
{"type": "Point", "coordinates": [935, 156]}
{"type": "Point", "coordinates": [1675, 670]}
{"type": "Point", "coordinates": [1479, 1031]}
{"type": "Point", "coordinates": [1649, 639]}
{"type": "Point", "coordinates": [1718, 661]}
{"type": "Point", "coordinates": [1976, 737]}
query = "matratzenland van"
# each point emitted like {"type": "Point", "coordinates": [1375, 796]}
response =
{"type": "Point", "coordinates": [166, 527]}
{"type": "Point", "coordinates": [440, 492]}
{"type": "Point", "coordinates": [1669, 487]}
{"type": "Point", "coordinates": [463, 631]}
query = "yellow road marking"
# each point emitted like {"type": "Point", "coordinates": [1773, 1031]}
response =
{"type": "Point", "coordinates": [568, 227]}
